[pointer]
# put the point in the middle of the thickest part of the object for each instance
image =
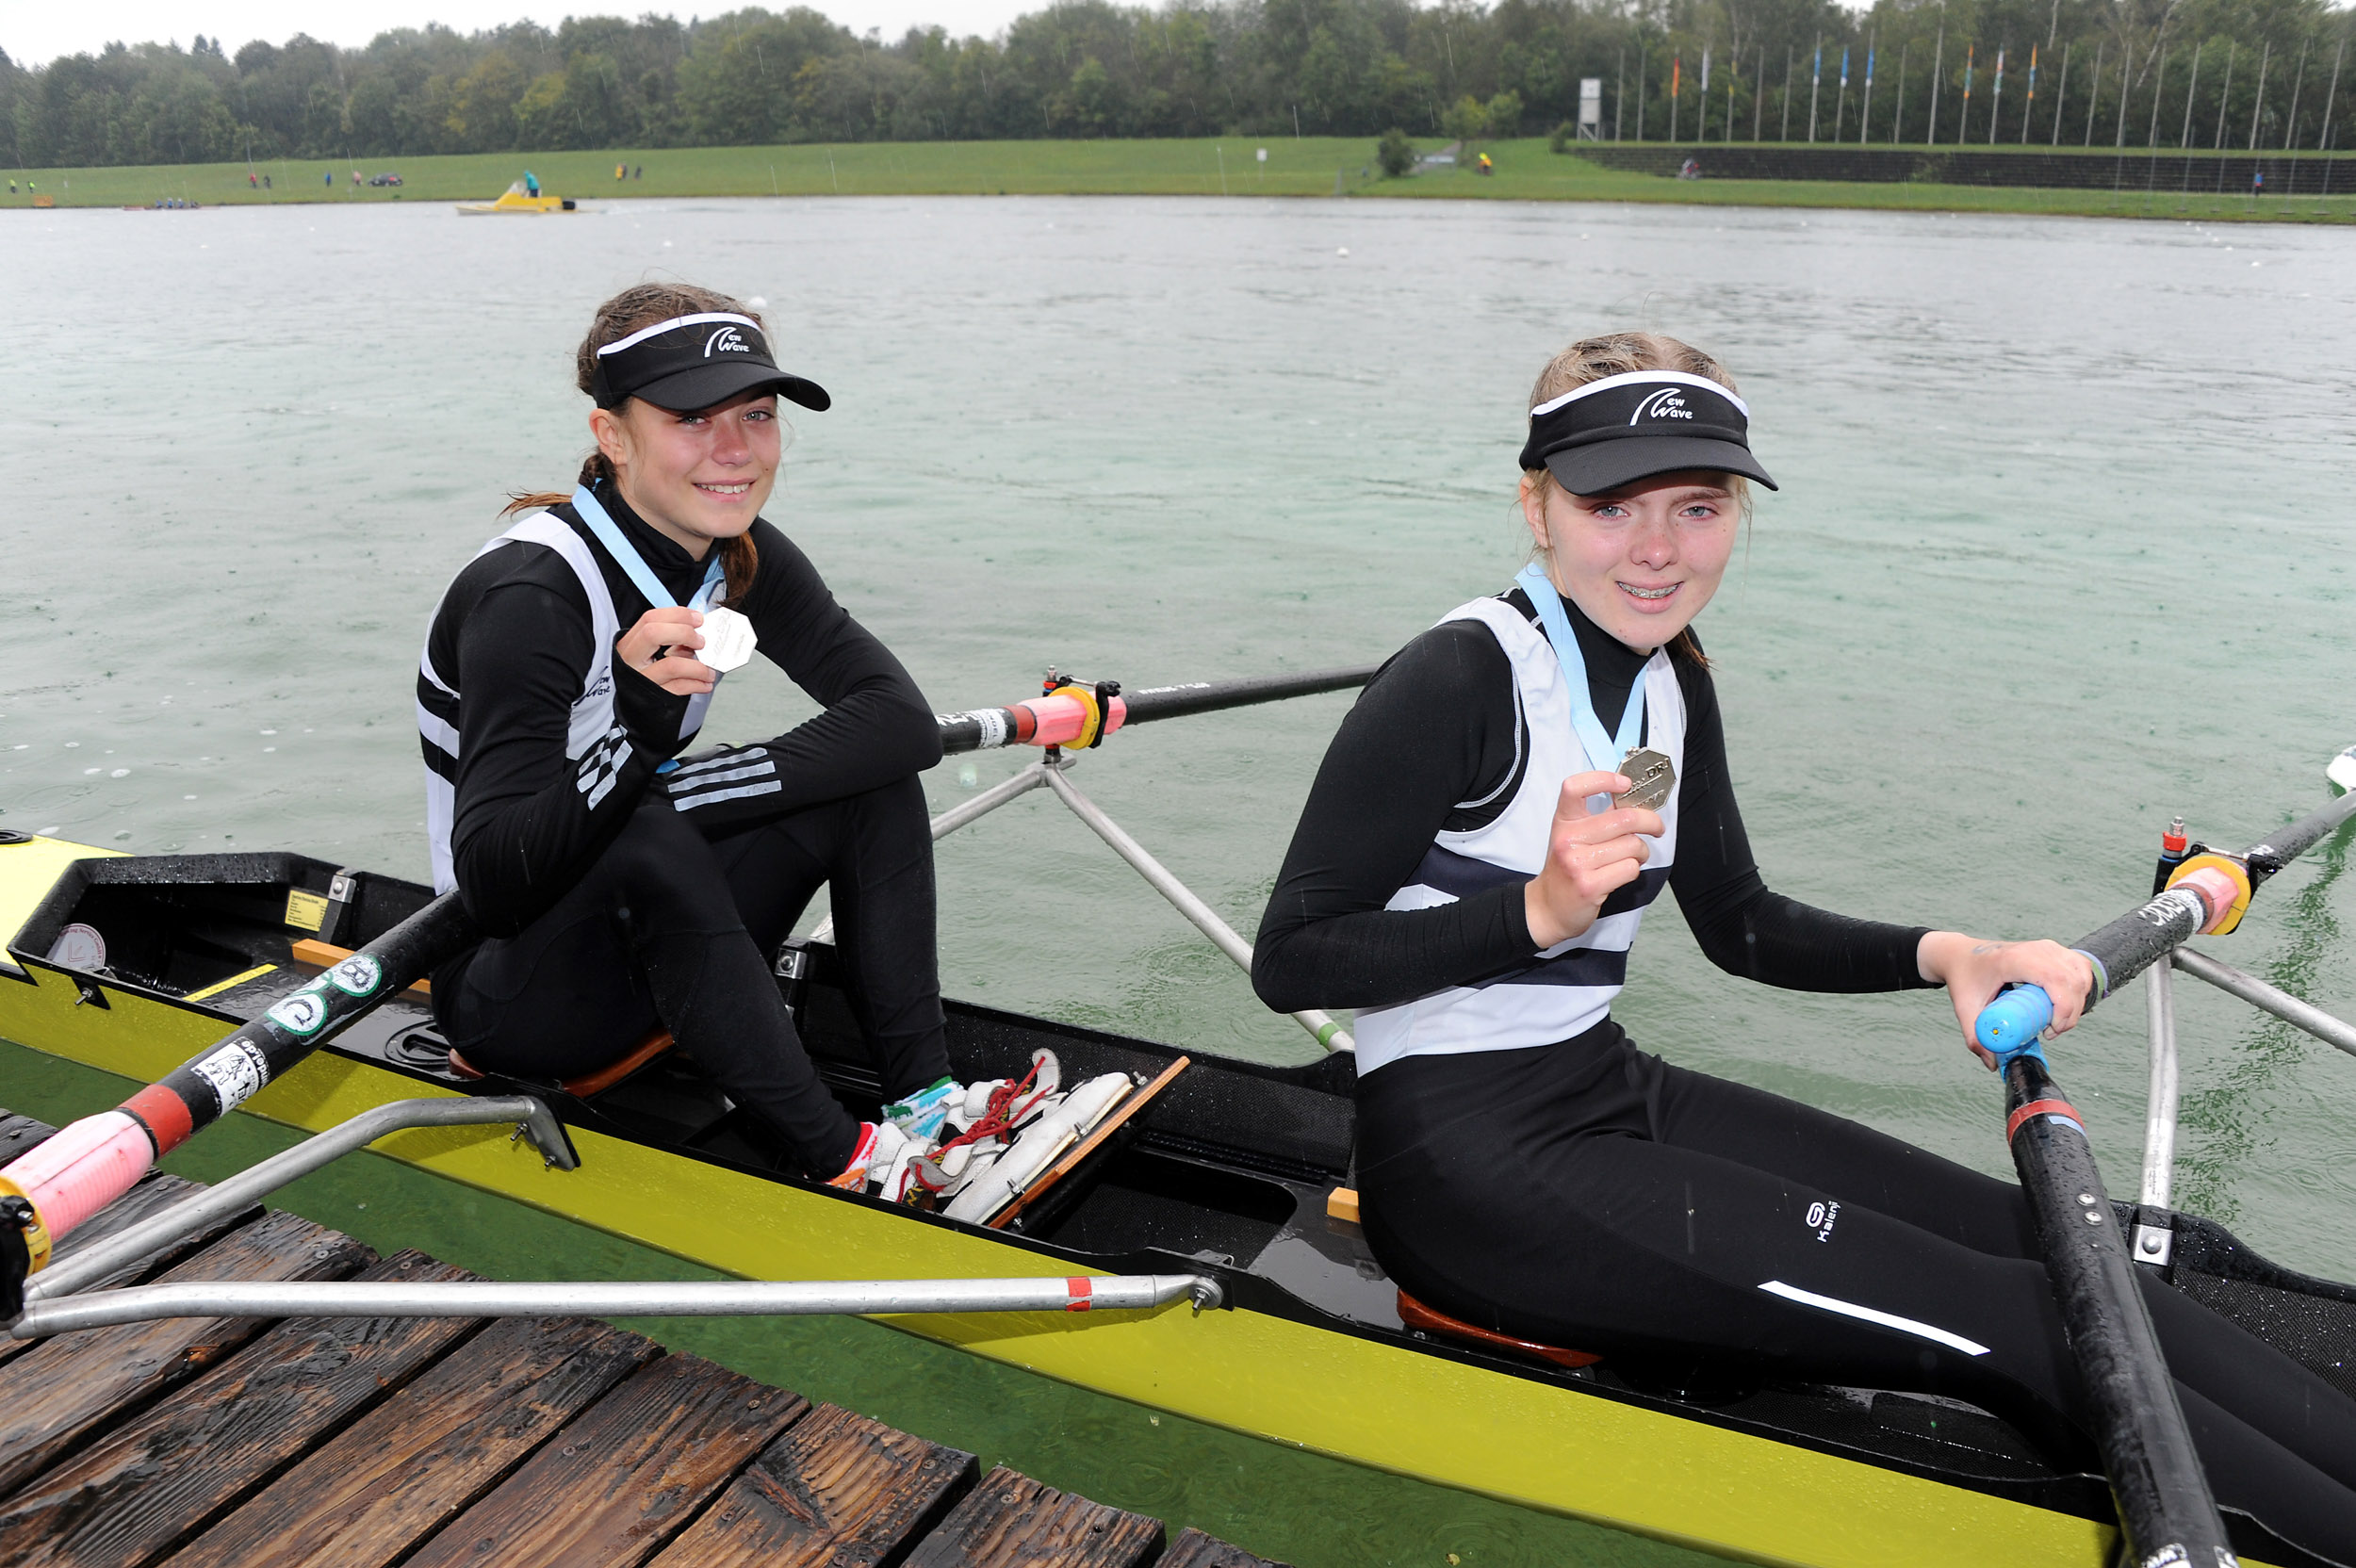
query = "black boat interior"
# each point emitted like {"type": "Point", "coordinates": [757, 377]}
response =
{"type": "Point", "coordinates": [1232, 1170]}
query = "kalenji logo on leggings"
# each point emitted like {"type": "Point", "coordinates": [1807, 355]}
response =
{"type": "Point", "coordinates": [1821, 1218]}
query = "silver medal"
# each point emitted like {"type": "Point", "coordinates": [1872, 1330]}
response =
{"type": "Point", "coordinates": [729, 640]}
{"type": "Point", "coordinates": [1650, 776]}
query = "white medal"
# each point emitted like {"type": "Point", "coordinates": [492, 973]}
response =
{"type": "Point", "coordinates": [729, 640]}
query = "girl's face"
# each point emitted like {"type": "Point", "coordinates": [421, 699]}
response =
{"type": "Point", "coordinates": [693, 477]}
{"type": "Point", "coordinates": [1643, 561]}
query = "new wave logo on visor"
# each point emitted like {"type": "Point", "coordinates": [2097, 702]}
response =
{"type": "Point", "coordinates": [728, 340]}
{"type": "Point", "coordinates": [1667, 404]}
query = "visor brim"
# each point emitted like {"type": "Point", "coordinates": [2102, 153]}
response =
{"type": "Point", "coordinates": [709, 385]}
{"type": "Point", "coordinates": [1602, 467]}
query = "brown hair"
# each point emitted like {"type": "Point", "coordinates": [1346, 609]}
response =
{"type": "Point", "coordinates": [631, 311]}
{"type": "Point", "coordinates": [1591, 359]}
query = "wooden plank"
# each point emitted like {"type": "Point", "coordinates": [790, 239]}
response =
{"type": "Point", "coordinates": [20, 1133]}
{"type": "Point", "coordinates": [1011, 1521]}
{"type": "Point", "coordinates": [132, 1497]}
{"type": "Point", "coordinates": [1193, 1549]}
{"type": "Point", "coordinates": [154, 1193]}
{"type": "Point", "coordinates": [837, 1488]}
{"type": "Point", "coordinates": [68, 1390]}
{"type": "Point", "coordinates": [409, 1466]}
{"type": "Point", "coordinates": [625, 1476]}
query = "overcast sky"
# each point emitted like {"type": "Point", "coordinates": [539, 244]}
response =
{"type": "Point", "coordinates": [36, 31]}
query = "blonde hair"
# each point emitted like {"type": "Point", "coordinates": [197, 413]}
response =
{"type": "Point", "coordinates": [1592, 359]}
{"type": "Point", "coordinates": [629, 311]}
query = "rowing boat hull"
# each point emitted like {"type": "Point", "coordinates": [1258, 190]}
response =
{"type": "Point", "coordinates": [1458, 1421]}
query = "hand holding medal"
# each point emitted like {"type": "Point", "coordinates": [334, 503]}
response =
{"type": "Point", "coordinates": [1590, 855]}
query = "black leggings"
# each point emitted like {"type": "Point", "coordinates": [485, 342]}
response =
{"type": "Point", "coordinates": [1589, 1195]}
{"type": "Point", "coordinates": [667, 929]}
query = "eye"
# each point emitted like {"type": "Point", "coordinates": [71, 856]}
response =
{"type": "Point", "coordinates": [761, 415]}
{"type": "Point", "coordinates": [1612, 510]}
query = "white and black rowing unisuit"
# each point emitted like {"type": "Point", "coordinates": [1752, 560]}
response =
{"type": "Point", "coordinates": [543, 782]}
{"type": "Point", "coordinates": [1567, 987]}
{"type": "Point", "coordinates": [598, 745]}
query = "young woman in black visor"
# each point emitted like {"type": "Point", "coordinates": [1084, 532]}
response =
{"type": "Point", "coordinates": [570, 664]}
{"type": "Point", "coordinates": [1495, 817]}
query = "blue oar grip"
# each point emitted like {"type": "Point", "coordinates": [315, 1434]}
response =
{"type": "Point", "coordinates": [2009, 1026]}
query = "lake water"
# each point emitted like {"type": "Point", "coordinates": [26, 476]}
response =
{"type": "Point", "coordinates": [2063, 549]}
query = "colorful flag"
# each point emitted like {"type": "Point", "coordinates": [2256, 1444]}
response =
{"type": "Point", "coordinates": [1705, 68]}
{"type": "Point", "coordinates": [1676, 68]}
{"type": "Point", "coordinates": [1844, 65]}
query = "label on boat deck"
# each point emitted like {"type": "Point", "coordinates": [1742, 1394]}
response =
{"type": "Point", "coordinates": [305, 910]}
{"type": "Point", "coordinates": [236, 1072]}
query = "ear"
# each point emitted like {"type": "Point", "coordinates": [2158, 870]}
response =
{"type": "Point", "coordinates": [612, 434]}
{"type": "Point", "coordinates": [1534, 511]}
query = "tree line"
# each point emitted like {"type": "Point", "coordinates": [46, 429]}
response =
{"type": "Point", "coordinates": [2131, 73]}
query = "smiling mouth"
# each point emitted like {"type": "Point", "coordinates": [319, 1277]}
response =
{"type": "Point", "coordinates": [1649, 596]}
{"type": "Point", "coordinates": [736, 489]}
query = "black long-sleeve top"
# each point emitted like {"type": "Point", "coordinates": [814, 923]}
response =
{"type": "Point", "coordinates": [516, 630]}
{"type": "Point", "coordinates": [1435, 727]}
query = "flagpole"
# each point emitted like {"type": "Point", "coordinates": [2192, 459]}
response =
{"type": "Point", "coordinates": [1938, 56]}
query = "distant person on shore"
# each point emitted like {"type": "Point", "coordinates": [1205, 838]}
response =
{"type": "Point", "coordinates": [621, 172]}
{"type": "Point", "coordinates": [624, 893]}
{"type": "Point", "coordinates": [328, 178]}
{"type": "Point", "coordinates": [531, 183]}
{"type": "Point", "coordinates": [265, 182]}
{"type": "Point", "coordinates": [2257, 182]}
{"type": "Point", "coordinates": [642, 173]}
{"type": "Point", "coordinates": [251, 183]}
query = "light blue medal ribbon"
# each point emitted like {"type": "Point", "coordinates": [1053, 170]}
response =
{"type": "Point", "coordinates": [641, 576]}
{"type": "Point", "coordinates": [1603, 751]}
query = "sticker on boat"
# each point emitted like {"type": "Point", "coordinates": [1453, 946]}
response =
{"type": "Point", "coordinates": [236, 1072]}
{"type": "Point", "coordinates": [299, 1014]}
{"type": "Point", "coordinates": [358, 975]}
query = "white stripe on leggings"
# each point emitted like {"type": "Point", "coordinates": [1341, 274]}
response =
{"type": "Point", "coordinates": [1887, 1320]}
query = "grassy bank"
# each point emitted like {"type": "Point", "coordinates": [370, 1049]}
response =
{"type": "Point", "coordinates": [1314, 166]}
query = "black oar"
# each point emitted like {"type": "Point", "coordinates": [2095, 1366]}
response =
{"type": "Point", "coordinates": [2165, 1505]}
{"type": "Point", "coordinates": [1079, 714]}
{"type": "Point", "coordinates": [88, 1165]}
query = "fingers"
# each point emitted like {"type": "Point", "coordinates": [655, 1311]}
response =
{"type": "Point", "coordinates": [665, 627]}
{"type": "Point", "coordinates": [1577, 788]}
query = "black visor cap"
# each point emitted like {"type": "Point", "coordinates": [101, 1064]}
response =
{"type": "Point", "coordinates": [694, 362]}
{"type": "Point", "coordinates": [1625, 429]}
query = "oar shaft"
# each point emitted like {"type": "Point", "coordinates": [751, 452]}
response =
{"type": "Point", "coordinates": [90, 1163]}
{"type": "Point", "coordinates": [2142, 936]}
{"type": "Point", "coordinates": [1055, 719]}
{"type": "Point", "coordinates": [2156, 1479]}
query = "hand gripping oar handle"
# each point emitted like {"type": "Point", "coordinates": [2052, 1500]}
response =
{"type": "Point", "coordinates": [2164, 1501]}
{"type": "Point", "coordinates": [2156, 1480]}
{"type": "Point", "coordinates": [2208, 893]}
{"type": "Point", "coordinates": [1074, 713]}
{"type": "Point", "coordinates": [81, 1169]}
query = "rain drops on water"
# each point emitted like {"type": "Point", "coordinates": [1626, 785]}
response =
{"type": "Point", "coordinates": [1343, 252]}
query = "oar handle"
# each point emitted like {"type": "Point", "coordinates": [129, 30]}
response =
{"type": "Point", "coordinates": [2009, 1026]}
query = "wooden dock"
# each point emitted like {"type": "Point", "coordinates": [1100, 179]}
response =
{"type": "Point", "coordinates": [437, 1442]}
